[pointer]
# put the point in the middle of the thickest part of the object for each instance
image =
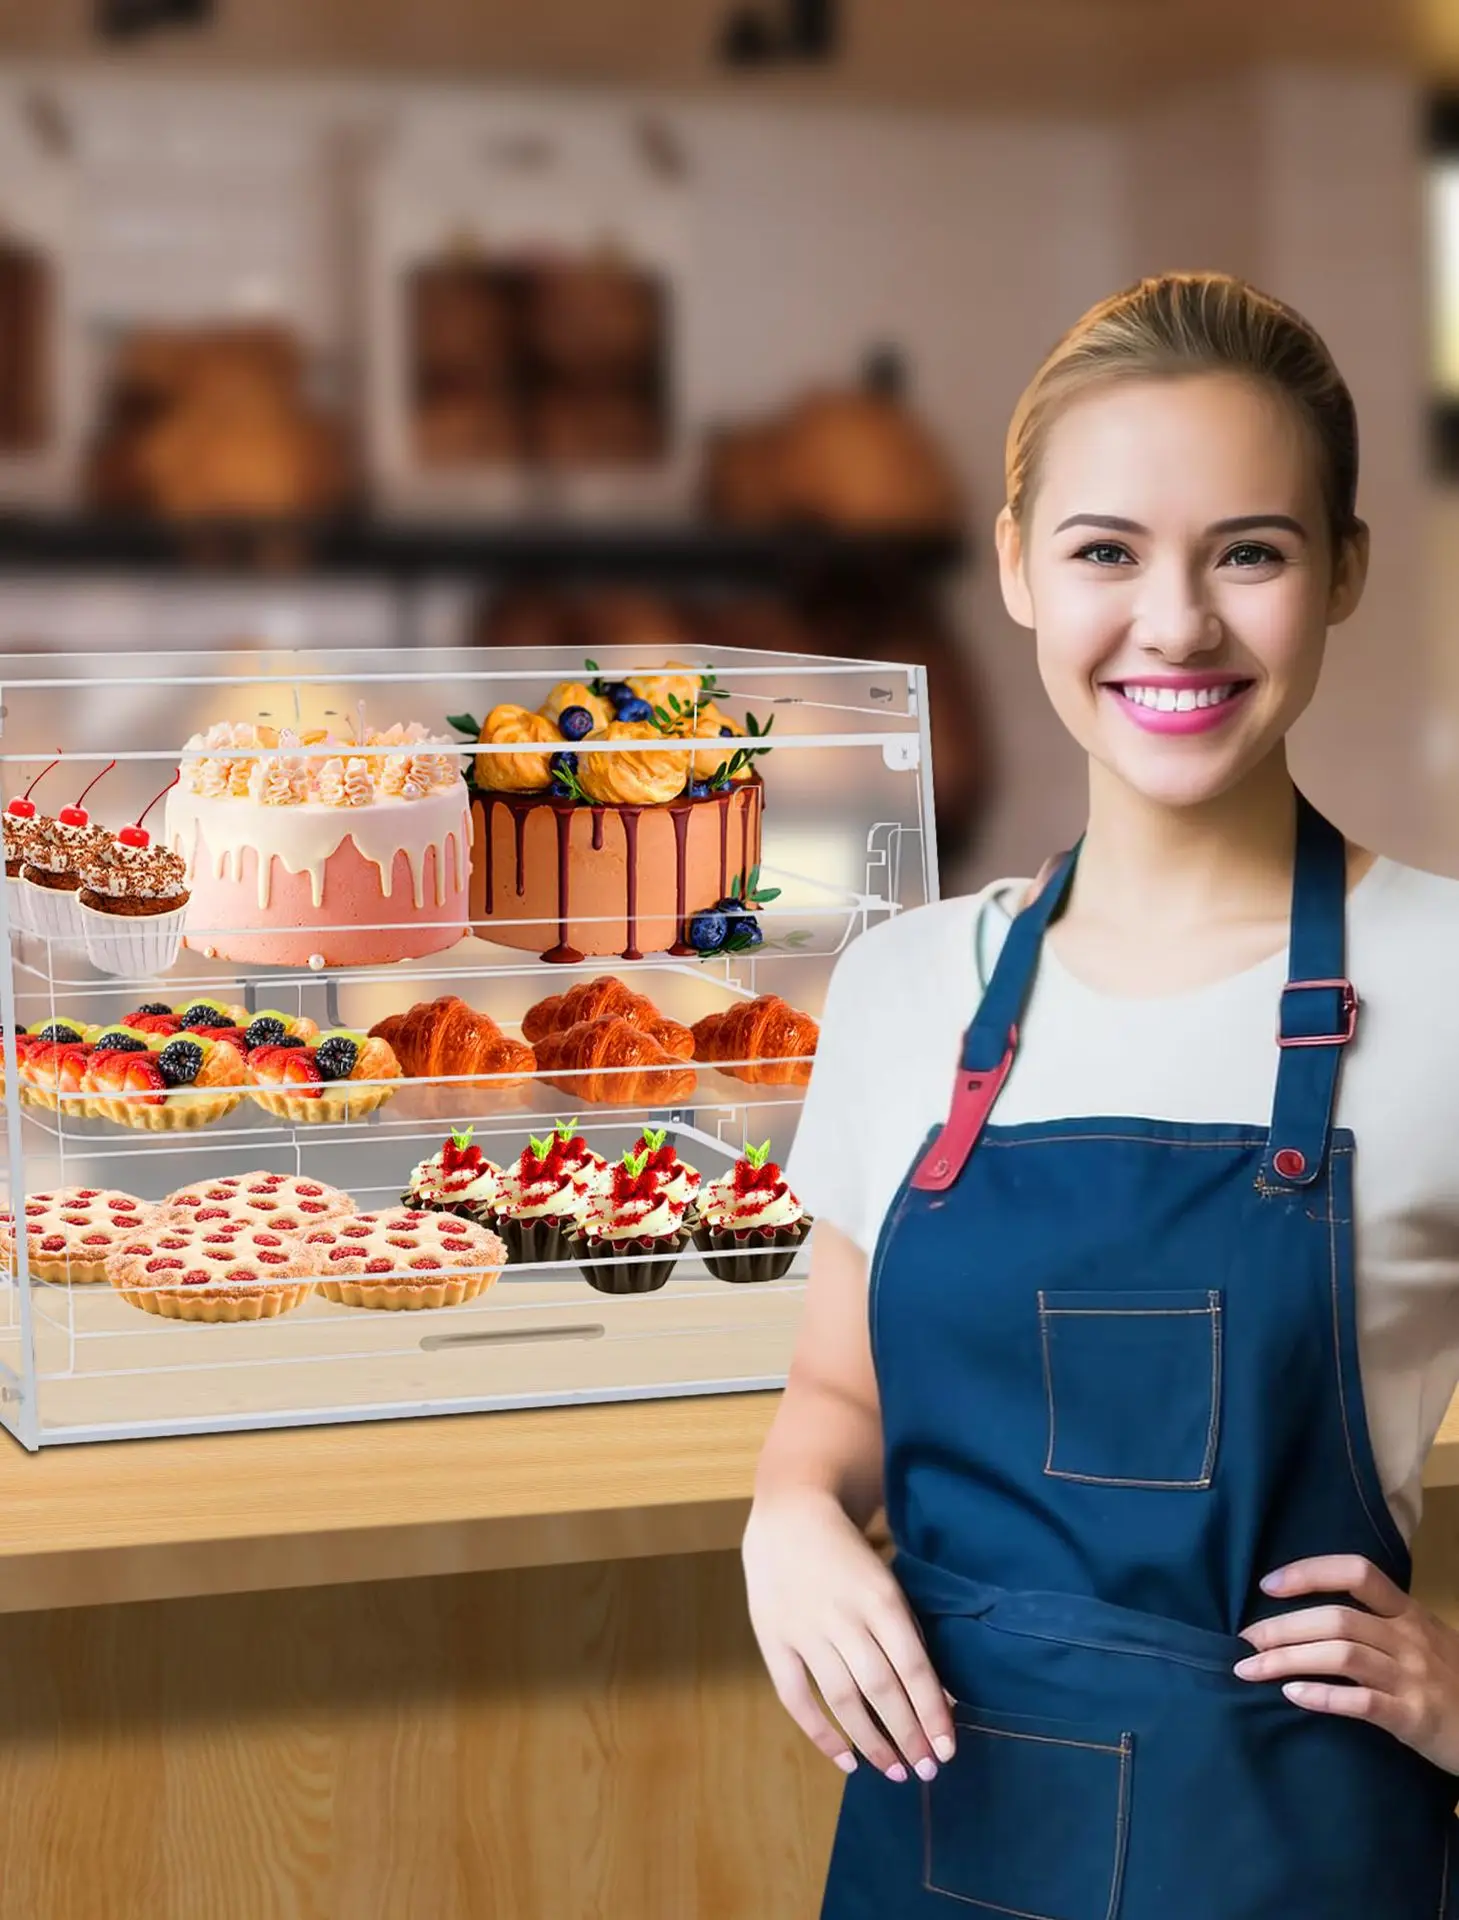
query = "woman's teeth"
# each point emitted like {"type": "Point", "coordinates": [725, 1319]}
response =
{"type": "Point", "coordinates": [1183, 700]}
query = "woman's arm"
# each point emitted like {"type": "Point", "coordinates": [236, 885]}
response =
{"type": "Point", "coordinates": [826, 1436]}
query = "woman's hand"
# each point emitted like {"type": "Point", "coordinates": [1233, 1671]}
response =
{"type": "Point", "coordinates": [826, 1609]}
{"type": "Point", "coordinates": [1401, 1663]}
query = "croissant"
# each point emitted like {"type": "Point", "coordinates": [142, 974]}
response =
{"type": "Point", "coordinates": [446, 1036]}
{"type": "Point", "coordinates": [612, 1060]}
{"type": "Point", "coordinates": [573, 693]}
{"type": "Point", "coordinates": [516, 772]}
{"type": "Point", "coordinates": [601, 999]}
{"type": "Point", "coordinates": [634, 779]}
{"type": "Point", "coordinates": [767, 1030]}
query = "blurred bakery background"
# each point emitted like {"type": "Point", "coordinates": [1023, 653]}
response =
{"type": "Point", "coordinates": [695, 324]}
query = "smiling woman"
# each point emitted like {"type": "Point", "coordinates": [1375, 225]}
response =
{"type": "Point", "coordinates": [1135, 1289]}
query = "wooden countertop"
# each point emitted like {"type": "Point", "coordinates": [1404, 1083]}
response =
{"type": "Point", "coordinates": [317, 1506]}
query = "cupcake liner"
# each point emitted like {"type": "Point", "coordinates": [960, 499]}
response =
{"type": "Point", "coordinates": [127, 944]}
{"type": "Point", "coordinates": [17, 903]}
{"type": "Point", "coordinates": [461, 1208]}
{"type": "Point", "coordinates": [542, 1237]}
{"type": "Point", "coordinates": [53, 913]}
{"type": "Point", "coordinates": [754, 1256]}
{"type": "Point", "coordinates": [634, 1274]}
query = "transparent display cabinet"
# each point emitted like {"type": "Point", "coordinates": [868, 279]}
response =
{"type": "Point", "coordinates": [356, 852]}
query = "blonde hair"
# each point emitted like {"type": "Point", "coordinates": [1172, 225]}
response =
{"type": "Point", "coordinates": [1177, 324]}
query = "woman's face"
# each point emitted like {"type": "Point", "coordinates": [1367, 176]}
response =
{"type": "Point", "coordinates": [1177, 570]}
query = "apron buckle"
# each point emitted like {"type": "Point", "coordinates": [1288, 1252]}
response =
{"type": "Point", "coordinates": [1347, 1007]}
{"type": "Point", "coordinates": [974, 1092]}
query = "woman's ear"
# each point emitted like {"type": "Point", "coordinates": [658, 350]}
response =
{"type": "Point", "coordinates": [1349, 575]}
{"type": "Point", "coordinates": [1008, 538]}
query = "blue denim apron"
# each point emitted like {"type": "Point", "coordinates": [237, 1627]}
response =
{"type": "Point", "coordinates": [1119, 1382]}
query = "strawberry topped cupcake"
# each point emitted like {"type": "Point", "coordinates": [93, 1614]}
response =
{"type": "Point", "coordinates": [635, 1221]}
{"type": "Point", "coordinates": [459, 1179]}
{"type": "Point", "coordinates": [540, 1197]}
{"type": "Point", "coordinates": [680, 1181]}
{"type": "Point", "coordinates": [750, 1219]}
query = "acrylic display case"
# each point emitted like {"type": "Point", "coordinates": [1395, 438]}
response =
{"type": "Point", "coordinates": [847, 842]}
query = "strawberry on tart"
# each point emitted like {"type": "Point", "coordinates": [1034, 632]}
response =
{"type": "Point", "coordinates": [342, 1076]}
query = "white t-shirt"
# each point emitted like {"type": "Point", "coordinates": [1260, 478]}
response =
{"type": "Point", "coordinates": [901, 995]}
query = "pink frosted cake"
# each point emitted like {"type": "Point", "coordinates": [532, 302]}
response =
{"type": "Point", "coordinates": [322, 852]}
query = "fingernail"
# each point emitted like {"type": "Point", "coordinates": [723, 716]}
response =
{"type": "Point", "coordinates": [897, 1772]}
{"type": "Point", "coordinates": [1244, 1667]}
{"type": "Point", "coordinates": [926, 1769]}
{"type": "Point", "coordinates": [943, 1747]}
{"type": "Point", "coordinates": [1273, 1582]}
{"type": "Point", "coordinates": [846, 1762]}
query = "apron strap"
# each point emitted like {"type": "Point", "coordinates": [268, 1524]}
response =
{"type": "Point", "coordinates": [992, 1039]}
{"type": "Point", "coordinates": [1318, 1012]}
{"type": "Point", "coordinates": [1316, 1019]}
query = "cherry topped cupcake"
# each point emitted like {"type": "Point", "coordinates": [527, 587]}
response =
{"type": "Point", "coordinates": [459, 1179]}
{"type": "Point", "coordinates": [133, 900]}
{"type": "Point", "coordinates": [635, 1220]}
{"type": "Point", "coordinates": [54, 850]}
{"type": "Point", "coordinates": [750, 1219]}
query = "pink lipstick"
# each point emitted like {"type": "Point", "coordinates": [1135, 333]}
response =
{"type": "Point", "coordinates": [1179, 703]}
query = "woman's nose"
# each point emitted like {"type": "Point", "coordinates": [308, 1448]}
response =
{"type": "Point", "coordinates": [1173, 615]}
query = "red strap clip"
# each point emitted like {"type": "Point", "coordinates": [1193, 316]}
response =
{"type": "Point", "coordinates": [972, 1102]}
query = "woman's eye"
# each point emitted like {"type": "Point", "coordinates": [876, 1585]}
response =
{"type": "Point", "coordinates": [1253, 553]}
{"type": "Point", "coordinates": [1103, 553]}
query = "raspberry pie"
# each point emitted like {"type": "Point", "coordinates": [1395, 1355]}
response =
{"type": "Point", "coordinates": [70, 1233]}
{"type": "Point", "coordinates": [276, 1200]}
{"type": "Point", "coordinates": [400, 1257]}
{"type": "Point", "coordinates": [209, 1270]}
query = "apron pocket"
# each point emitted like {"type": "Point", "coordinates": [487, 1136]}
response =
{"type": "Point", "coordinates": [1030, 1817]}
{"type": "Point", "coordinates": [1133, 1382]}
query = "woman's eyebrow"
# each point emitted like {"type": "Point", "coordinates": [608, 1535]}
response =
{"type": "Point", "coordinates": [1242, 523]}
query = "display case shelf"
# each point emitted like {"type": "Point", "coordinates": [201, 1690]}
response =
{"type": "Point", "coordinates": [847, 843]}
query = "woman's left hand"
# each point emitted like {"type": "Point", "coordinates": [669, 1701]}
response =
{"type": "Point", "coordinates": [1400, 1663]}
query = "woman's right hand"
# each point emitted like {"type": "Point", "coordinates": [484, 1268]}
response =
{"type": "Point", "coordinates": [825, 1608]}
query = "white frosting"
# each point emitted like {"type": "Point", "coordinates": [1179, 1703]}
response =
{"type": "Point", "coordinates": [721, 1206]}
{"type": "Point", "coordinates": [303, 838]}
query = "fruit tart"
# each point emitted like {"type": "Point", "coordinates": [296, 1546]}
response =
{"type": "Point", "coordinates": [748, 1223]}
{"type": "Point", "coordinates": [52, 1064]}
{"type": "Point", "coordinates": [209, 1270]}
{"type": "Point", "coordinates": [459, 1179]}
{"type": "Point", "coordinates": [540, 1197]}
{"type": "Point", "coordinates": [163, 1084]}
{"type": "Point", "coordinates": [215, 1017]}
{"type": "Point", "coordinates": [341, 1076]}
{"type": "Point", "coordinates": [69, 1233]}
{"type": "Point", "coordinates": [632, 1231]}
{"type": "Point", "coordinates": [276, 1200]}
{"type": "Point", "coordinates": [402, 1258]}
